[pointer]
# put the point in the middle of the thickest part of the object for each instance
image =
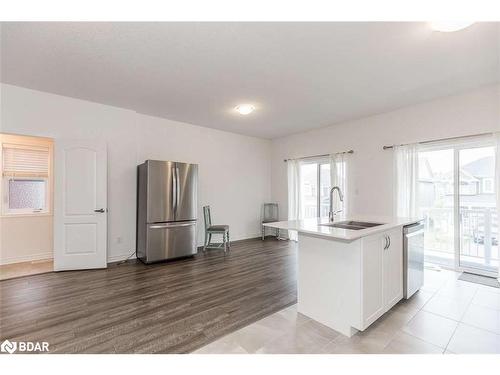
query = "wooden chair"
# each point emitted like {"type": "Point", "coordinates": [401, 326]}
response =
{"type": "Point", "coordinates": [215, 229]}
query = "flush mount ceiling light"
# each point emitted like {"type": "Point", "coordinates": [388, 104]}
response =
{"type": "Point", "coordinates": [449, 26]}
{"type": "Point", "coordinates": [244, 109]}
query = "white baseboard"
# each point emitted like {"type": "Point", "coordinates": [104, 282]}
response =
{"type": "Point", "coordinates": [27, 258]}
{"type": "Point", "coordinates": [120, 257]}
{"type": "Point", "coordinates": [110, 259]}
{"type": "Point", "coordinates": [129, 255]}
{"type": "Point", "coordinates": [234, 237]}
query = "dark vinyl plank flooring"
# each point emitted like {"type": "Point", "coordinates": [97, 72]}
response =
{"type": "Point", "coordinates": [173, 307]}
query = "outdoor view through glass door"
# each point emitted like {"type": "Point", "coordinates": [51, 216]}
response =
{"type": "Point", "coordinates": [314, 201]}
{"type": "Point", "coordinates": [436, 204]}
{"type": "Point", "coordinates": [456, 194]}
{"type": "Point", "coordinates": [478, 214]}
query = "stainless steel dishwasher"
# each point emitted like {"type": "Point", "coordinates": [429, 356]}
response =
{"type": "Point", "coordinates": [413, 249]}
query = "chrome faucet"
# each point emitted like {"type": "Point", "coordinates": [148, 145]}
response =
{"type": "Point", "coordinates": [331, 213]}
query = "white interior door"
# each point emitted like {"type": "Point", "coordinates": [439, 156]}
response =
{"type": "Point", "coordinates": [80, 205]}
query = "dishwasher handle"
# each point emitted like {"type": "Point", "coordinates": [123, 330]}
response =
{"type": "Point", "coordinates": [413, 234]}
{"type": "Point", "coordinates": [412, 228]}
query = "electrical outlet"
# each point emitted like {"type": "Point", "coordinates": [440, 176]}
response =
{"type": "Point", "coordinates": [119, 239]}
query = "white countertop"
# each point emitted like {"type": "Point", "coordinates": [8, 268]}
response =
{"type": "Point", "coordinates": [312, 226]}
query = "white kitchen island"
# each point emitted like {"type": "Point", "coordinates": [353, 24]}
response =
{"type": "Point", "coordinates": [347, 279]}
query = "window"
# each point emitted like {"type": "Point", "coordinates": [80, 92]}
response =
{"type": "Point", "coordinates": [27, 194]}
{"type": "Point", "coordinates": [309, 190]}
{"type": "Point", "coordinates": [26, 175]}
{"type": "Point", "coordinates": [315, 189]}
{"type": "Point", "coordinates": [325, 186]}
{"type": "Point", "coordinates": [456, 185]}
{"type": "Point", "coordinates": [436, 204]}
{"type": "Point", "coordinates": [488, 186]}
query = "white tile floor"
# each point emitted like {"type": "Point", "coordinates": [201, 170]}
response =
{"type": "Point", "coordinates": [446, 316]}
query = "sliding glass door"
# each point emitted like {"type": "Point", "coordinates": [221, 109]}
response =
{"type": "Point", "coordinates": [324, 190]}
{"type": "Point", "coordinates": [457, 199]}
{"type": "Point", "coordinates": [478, 219]}
{"type": "Point", "coordinates": [314, 189]}
{"type": "Point", "coordinates": [437, 204]}
{"type": "Point", "coordinates": [309, 190]}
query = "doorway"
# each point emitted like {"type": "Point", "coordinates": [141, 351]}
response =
{"type": "Point", "coordinates": [26, 221]}
{"type": "Point", "coordinates": [457, 198]}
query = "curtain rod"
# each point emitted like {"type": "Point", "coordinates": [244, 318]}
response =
{"type": "Point", "coordinates": [318, 156]}
{"type": "Point", "coordinates": [438, 140]}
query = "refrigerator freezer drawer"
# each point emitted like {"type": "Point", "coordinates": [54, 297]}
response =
{"type": "Point", "coordinates": [170, 241]}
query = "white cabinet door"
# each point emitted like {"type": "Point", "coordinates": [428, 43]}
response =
{"type": "Point", "coordinates": [373, 278]}
{"type": "Point", "coordinates": [80, 203]}
{"type": "Point", "coordinates": [393, 267]}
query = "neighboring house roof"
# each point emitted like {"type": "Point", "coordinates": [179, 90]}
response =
{"type": "Point", "coordinates": [480, 167]}
{"type": "Point", "coordinates": [470, 172]}
{"type": "Point", "coordinates": [479, 200]}
{"type": "Point", "coordinates": [425, 172]}
{"type": "Point", "coordinates": [464, 176]}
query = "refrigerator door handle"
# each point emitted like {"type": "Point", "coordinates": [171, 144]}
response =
{"type": "Point", "coordinates": [171, 225]}
{"type": "Point", "coordinates": [174, 189]}
{"type": "Point", "coordinates": [177, 189]}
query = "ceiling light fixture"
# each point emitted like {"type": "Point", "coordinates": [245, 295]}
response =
{"type": "Point", "coordinates": [449, 26]}
{"type": "Point", "coordinates": [244, 109]}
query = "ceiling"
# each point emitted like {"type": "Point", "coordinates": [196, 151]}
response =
{"type": "Point", "coordinates": [299, 76]}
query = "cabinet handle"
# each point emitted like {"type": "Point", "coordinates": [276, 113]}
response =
{"type": "Point", "coordinates": [386, 243]}
{"type": "Point", "coordinates": [389, 238]}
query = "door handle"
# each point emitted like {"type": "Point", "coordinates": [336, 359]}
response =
{"type": "Point", "coordinates": [174, 188]}
{"type": "Point", "coordinates": [176, 225]}
{"type": "Point", "coordinates": [178, 188]}
{"type": "Point", "coordinates": [100, 210]}
{"type": "Point", "coordinates": [413, 234]}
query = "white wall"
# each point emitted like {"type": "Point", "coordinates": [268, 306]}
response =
{"type": "Point", "coordinates": [236, 173]}
{"type": "Point", "coordinates": [371, 173]}
{"type": "Point", "coordinates": [234, 169]}
{"type": "Point", "coordinates": [25, 238]}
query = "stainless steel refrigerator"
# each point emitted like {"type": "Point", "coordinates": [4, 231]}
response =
{"type": "Point", "coordinates": [166, 210]}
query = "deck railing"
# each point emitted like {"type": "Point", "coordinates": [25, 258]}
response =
{"type": "Point", "coordinates": [478, 232]}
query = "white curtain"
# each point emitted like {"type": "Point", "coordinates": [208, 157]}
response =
{"type": "Point", "coordinates": [338, 177]}
{"type": "Point", "coordinates": [293, 194]}
{"type": "Point", "coordinates": [405, 180]}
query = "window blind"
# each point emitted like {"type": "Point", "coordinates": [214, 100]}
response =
{"type": "Point", "coordinates": [25, 161]}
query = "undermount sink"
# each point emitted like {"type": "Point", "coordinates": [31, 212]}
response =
{"type": "Point", "coordinates": [352, 225]}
